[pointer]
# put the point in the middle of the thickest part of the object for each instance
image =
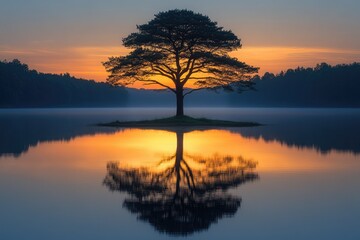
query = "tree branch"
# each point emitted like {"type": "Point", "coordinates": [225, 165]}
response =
{"type": "Point", "coordinates": [194, 90]}
{"type": "Point", "coordinates": [161, 72]}
{"type": "Point", "coordinates": [189, 73]}
{"type": "Point", "coordinates": [157, 82]}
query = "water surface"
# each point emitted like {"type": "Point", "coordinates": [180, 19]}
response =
{"type": "Point", "coordinates": [296, 177]}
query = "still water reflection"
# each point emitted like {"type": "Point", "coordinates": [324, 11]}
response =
{"type": "Point", "coordinates": [182, 192]}
{"type": "Point", "coordinates": [62, 178]}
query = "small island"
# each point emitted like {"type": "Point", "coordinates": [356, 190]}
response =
{"type": "Point", "coordinates": [179, 121]}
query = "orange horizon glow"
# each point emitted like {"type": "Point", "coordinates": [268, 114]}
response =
{"type": "Point", "coordinates": [86, 62]}
{"type": "Point", "coordinates": [136, 148]}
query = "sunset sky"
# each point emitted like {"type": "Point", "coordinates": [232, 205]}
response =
{"type": "Point", "coordinates": [75, 36]}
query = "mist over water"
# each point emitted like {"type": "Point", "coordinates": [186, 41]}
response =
{"type": "Point", "coordinates": [321, 129]}
{"type": "Point", "coordinates": [62, 177]}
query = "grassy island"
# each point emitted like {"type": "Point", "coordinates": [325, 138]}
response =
{"type": "Point", "coordinates": [180, 121]}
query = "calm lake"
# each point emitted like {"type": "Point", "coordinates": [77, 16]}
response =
{"type": "Point", "coordinates": [295, 177]}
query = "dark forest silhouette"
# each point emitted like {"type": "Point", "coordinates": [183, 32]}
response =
{"type": "Point", "coordinates": [321, 86]}
{"type": "Point", "coordinates": [185, 48]}
{"type": "Point", "coordinates": [179, 199]}
{"type": "Point", "coordinates": [21, 87]}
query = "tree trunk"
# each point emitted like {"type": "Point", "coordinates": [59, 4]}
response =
{"type": "Point", "coordinates": [179, 157]}
{"type": "Point", "coordinates": [179, 103]}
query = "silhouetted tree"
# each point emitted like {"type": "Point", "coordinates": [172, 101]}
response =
{"type": "Point", "coordinates": [180, 199]}
{"type": "Point", "coordinates": [177, 47]}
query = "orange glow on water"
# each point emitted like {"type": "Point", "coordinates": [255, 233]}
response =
{"type": "Point", "coordinates": [145, 148]}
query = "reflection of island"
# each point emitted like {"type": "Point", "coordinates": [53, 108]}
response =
{"type": "Point", "coordinates": [183, 193]}
{"type": "Point", "coordinates": [23, 129]}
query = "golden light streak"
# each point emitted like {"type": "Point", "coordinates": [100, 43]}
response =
{"type": "Point", "coordinates": [276, 59]}
{"type": "Point", "coordinates": [145, 148]}
{"type": "Point", "coordinates": [86, 62]}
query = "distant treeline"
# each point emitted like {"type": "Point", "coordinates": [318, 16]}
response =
{"type": "Point", "coordinates": [21, 87]}
{"type": "Point", "coordinates": [322, 86]}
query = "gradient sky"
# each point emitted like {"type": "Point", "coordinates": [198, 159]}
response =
{"type": "Point", "coordinates": [75, 36]}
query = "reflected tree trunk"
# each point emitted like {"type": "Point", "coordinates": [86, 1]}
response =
{"type": "Point", "coordinates": [187, 193]}
{"type": "Point", "coordinates": [178, 158]}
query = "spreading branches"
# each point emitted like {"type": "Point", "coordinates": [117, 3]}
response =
{"type": "Point", "coordinates": [185, 48]}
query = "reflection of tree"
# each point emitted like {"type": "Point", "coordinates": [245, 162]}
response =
{"type": "Point", "coordinates": [182, 195]}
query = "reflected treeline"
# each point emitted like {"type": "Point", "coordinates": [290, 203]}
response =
{"type": "Point", "coordinates": [20, 130]}
{"type": "Point", "coordinates": [322, 130]}
{"type": "Point", "coordinates": [183, 193]}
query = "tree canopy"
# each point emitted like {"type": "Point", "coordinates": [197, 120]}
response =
{"type": "Point", "coordinates": [180, 47]}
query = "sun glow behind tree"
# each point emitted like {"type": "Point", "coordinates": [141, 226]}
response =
{"type": "Point", "coordinates": [183, 47]}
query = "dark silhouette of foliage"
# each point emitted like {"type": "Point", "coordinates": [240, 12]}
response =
{"type": "Point", "coordinates": [21, 87]}
{"type": "Point", "coordinates": [181, 46]}
{"type": "Point", "coordinates": [179, 199]}
{"type": "Point", "coordinates": [322, 86]}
